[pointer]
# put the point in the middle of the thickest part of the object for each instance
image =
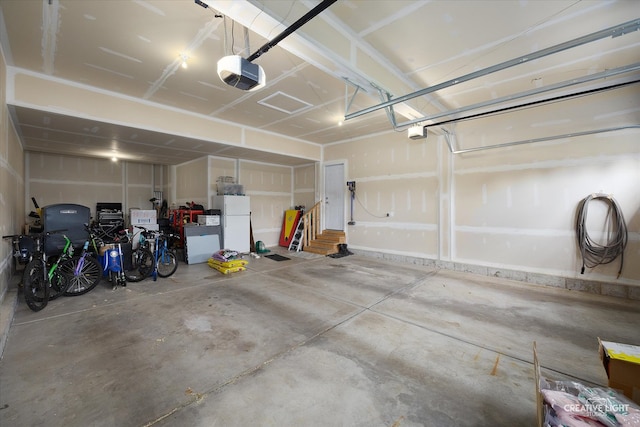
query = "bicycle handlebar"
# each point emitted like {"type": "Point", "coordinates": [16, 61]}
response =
{"type": "Point", "coordinates": [36, 235]}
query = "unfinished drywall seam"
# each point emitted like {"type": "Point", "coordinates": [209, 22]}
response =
{"type": "Point", "coordinates": [27, 186]}
{"type": "Point", "coordinates": [210, 180]}
{"type": "Point", "coordinates": [172, 182]}
{"type": "Point", "coordinates": [293, 186]}
{"type": "Point", "coordinates": [125, 187]}
{"type": "Point", "coordinates": [317, 172]}
{"type": "Point", "coordinates": [451, 223]}
{"type": "Point", "coordinates": [50, 27]}
{"type": "Point", "coordinates": [441, 200]}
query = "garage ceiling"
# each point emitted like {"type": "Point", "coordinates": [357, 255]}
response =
{"type": "Point", "coordinates": [355, 54]}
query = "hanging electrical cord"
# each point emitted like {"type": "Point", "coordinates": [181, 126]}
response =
{"type": "Point", "coordinates": [366, 210]}
{"type": "Point", "coordinates": [594, 253]}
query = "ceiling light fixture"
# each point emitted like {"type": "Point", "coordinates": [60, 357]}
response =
{"type": "Point", "coordinates": [114, 159]}
{"type": "Point", "coordinates": [184, 57]}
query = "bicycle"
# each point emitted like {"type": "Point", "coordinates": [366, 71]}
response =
{"type": "Point", "coordinates": [142, 259]}
{"type": "Point", "coordinates": [109, 232]}
{"type": "Point", "coordinates": [166, 261]}
{"type": "Point", "coordinates": [41, 282]}
{"type": "Point", "coordinates": [83, 272]}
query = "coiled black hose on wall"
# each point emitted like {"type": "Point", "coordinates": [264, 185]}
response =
{"type": "Point", "coordinates": [594, 253]}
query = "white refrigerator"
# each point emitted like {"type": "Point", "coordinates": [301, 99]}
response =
{"type": "Point", "coordinates": [235, 221]}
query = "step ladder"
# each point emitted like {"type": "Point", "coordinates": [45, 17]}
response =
{"type": "Point", "coordinates": [296, 240]}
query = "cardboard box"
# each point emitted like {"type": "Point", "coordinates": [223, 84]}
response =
{"type": "Point", "coordinates": [618, 359]}
{"type": "Point", "coordinates": [622, 364]}
{"type": "Point", "coordinates": [209, 219]}
{"type": "Point", "coordinates": [143, 217]}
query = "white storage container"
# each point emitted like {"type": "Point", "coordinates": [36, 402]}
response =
{"type": "Point", "coordinates": [143, 217]}
{"type": "Point", "coordinates": [209, 219]}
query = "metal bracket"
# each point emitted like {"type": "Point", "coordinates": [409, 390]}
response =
{"type": "Point", "coordinates": [348, 101]}
{"type": "Point", "coordinates": [385, 97]}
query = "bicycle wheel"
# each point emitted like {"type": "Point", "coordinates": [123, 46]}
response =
{"type": "Point", "coordinates": [57, 285]}
{"type": "Point", "coordinates": [36, 288]}
{"type": "Point", "coordinates": [142, 264]}
{"type": "Point", "coordinates": [167, 263]}
{"type": "Point", "coordinates": [58, 282]}
{"type": "Point", "coordinates": [88, 277]}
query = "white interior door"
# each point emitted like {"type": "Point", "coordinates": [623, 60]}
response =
{"type": "Point", "coordinates": [334, 188]}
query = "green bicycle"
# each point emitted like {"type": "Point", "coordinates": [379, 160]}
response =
{"type": "Point", "coordinates": [43, 281]}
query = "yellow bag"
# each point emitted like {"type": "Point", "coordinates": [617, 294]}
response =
{"type": "Point", "coordinates": [227, 264]}
{"type": "Point", "coordinates": [227, 270]}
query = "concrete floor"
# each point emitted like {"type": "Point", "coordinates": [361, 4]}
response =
{"type": "Point", "coordinates": [312, 341]}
